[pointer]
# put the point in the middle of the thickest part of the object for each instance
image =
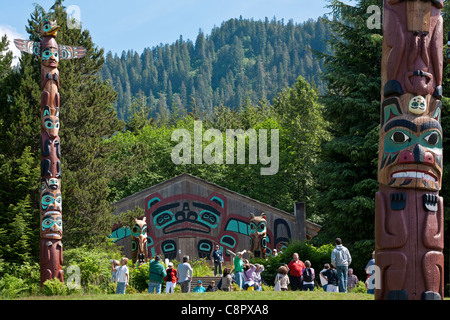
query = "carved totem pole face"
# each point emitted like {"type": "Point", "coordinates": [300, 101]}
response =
{"type": "Point", "coordinates": [411, 143]}
{"type": "Point", "coordinates": [51, 209]}
{"type": "Point", "coordinates": [258, 234]}
{"type": "Point", "coordinates": [51, 225]}
{"type": "Point", "coordinates": [49, 28]}
{"type": "Point", "coordinates": [51, 200]}
{"type": "Point", "coordinates": [139, 241]}
{"type": "Point", "coordinates": [52, 183]}
{"type": "Point", "coordinates": [49, 52]}
{"type": "Point", "coordinates": [412, 65]}
{"type": "Point", "coordinates": [50, 124]}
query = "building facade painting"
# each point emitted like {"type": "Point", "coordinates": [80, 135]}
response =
{"type": "Point", "coordinates": [190, 216]}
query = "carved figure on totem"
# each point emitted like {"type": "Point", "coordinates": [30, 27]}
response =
{"type": "Point", "coordinates": [412, 33]}
{"type": "Point", "coordinates": [409, 214]}
{"type": "Point", "coordinates": [139, 241]}
{"type": "Point", "coordinates": [258, 235]}
{"type": "Point", "coordinates": [50, 199]}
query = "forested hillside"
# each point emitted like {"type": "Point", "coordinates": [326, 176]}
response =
{"type": "Point", "coordinates": [240, 61]}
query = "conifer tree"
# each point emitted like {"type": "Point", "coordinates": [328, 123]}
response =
{"type": "Point", "coordinates": [19, 234]}
{"type": "Point", "coordinates": [347, 176]}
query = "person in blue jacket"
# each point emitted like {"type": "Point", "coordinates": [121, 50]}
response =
{"type": "Point", "coordinates": [218, 260]}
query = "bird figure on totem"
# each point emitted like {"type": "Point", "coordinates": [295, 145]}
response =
{"type": "Point", "coordinates": [50, 29]}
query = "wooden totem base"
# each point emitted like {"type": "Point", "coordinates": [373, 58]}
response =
{"type": "Point", "coordinates": [409, 243]}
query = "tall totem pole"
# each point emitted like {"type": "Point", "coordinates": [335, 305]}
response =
{"type": "Point", "coordinates": [50, 198]}
{"type": "Point", "coordinates": [409, 213]}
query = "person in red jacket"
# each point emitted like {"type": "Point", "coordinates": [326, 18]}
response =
{"type": "Point", "coordinates": [296, 267]}
{"type": "Point", "coordinates": [171, 278]}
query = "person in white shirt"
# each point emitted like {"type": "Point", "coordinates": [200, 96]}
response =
{"type": "Point", "coordinates": [185, 274]}
{"type": "Point", "coordinates": [122, 276]}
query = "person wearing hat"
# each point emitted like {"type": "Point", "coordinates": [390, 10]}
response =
{"type": "Point", "coordinates": [157, 274]}
{"type": "Point", "coordinates": [199, 288]}
{"type": "Point", "coordinates": [171, 278]}
{"type": "Point", "coordinates": [239, 268]}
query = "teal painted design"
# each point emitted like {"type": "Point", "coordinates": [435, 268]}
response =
{"type": "Point", "coordinates": [48, 199]}
{"type": "Point", "coordinates": [228, 241]}
{"type": "Point", "coordinates": [390, 111]}
{"type": "Point", "coordinates": [218, 200]}
{"type": "Point", "coordinates": [205, 246]}
{"type": "Point", "coordinates": [136, 231]}
{"type": "Point", "coordinates": [163, 219]}
{"type": "Point", "coordinates": [437, 114]}
{"type": "Point", "coordinates": [209, 218]}
{"type": "Point", "coordinates": [261, 227]}
{"type": "Point", "coordinates": [50, 221]}
{"type": "Point", "coordinates": [169, 247]}
{"type": "Point", "coordinates": [120, 233]}
{"type": "Point", "coordinates": [400, 139]}
{"type": "Point", "coordinates": [49, 52]}
{"type": "Point", "coordinates": [238, 227]}
{"type": "Point", "coordinates": [153, 201]}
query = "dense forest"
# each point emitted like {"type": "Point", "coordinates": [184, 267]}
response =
{"type": "Point", "coordinates": [322, 96]}
{"type": "Point", "coordinates": [240, 61]}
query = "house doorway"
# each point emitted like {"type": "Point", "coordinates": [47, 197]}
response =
{"type": "Point", "coordinates": [186, 247]}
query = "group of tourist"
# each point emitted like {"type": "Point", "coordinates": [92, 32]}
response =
{"type": "Point", "coordinates": [246, 274]}
{"type": "Point", "coordinates": [335, 276]}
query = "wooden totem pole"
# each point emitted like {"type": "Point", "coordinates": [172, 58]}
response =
{"type": "Point", "coordinates": [139, 252]}
{"type": "Point", "coordinates": [409, 213]}
{"type": "Point", "coordinates": [50, 205]}
{"type": "Point", "coordinates": [258, 236]}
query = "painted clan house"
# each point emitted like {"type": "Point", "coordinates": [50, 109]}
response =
{"type": "Point", "coordinates": [186, 215]}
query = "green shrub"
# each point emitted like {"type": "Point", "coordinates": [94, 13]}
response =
{"type": "Point", "coordinates": [201, 267]}
{"type": "Point", "coordinates": [139, 277]}
{"type": "Point", "coordinates": [94, 266]}
{"type": "Point", "coordinates": [111, 288]}
{"type": "Point", "coordinates": [54, 287]}
{"type": "Point", "coordinates": [235, 287]}
{"type": "Point", "coordinates": [360, 288]}
{"type": "Point", "coordinates": [177, 289]}
{"type": "Point", "coordinates": [19, 280]}
{"type": "Point", "coordinates": [266, 288]}
{"type": "Point", "coordinates": [11, 287]}
{"type": "Point", "coordinates": [94, 289]}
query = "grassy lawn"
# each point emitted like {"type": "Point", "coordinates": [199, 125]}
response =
{"type": "Point", "coordinates": [235, 295]}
